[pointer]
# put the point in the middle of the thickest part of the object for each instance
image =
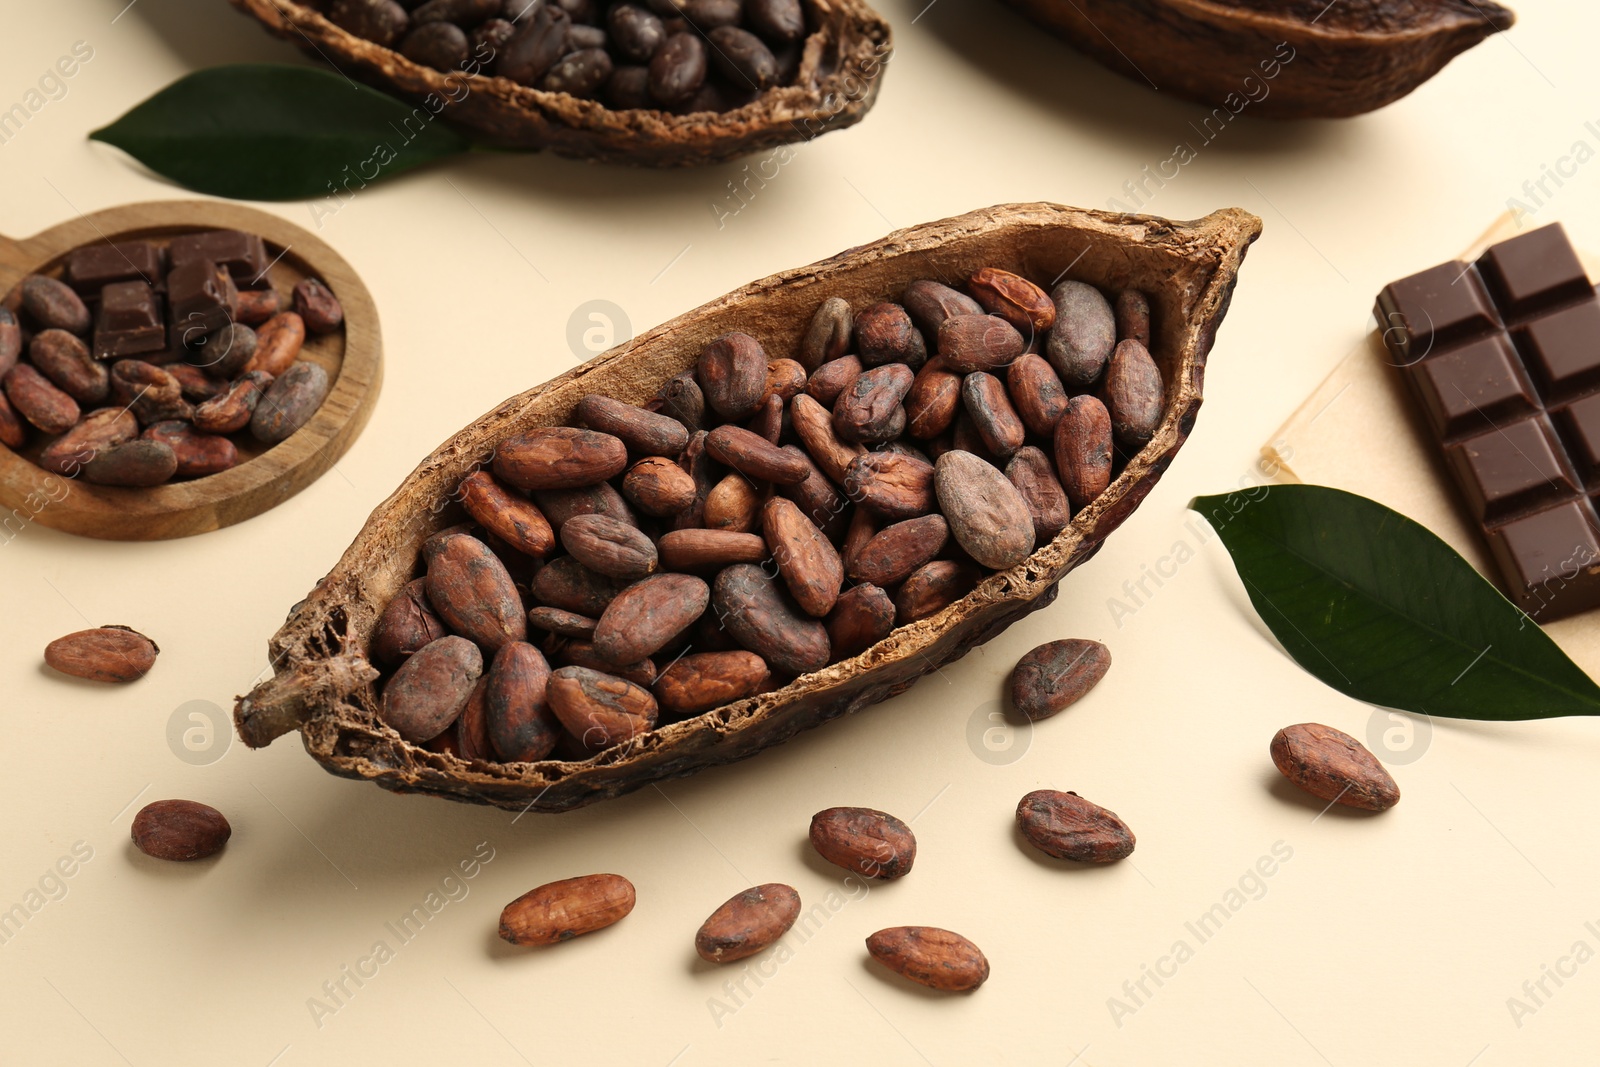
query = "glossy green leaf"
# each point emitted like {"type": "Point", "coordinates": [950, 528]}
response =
{"type": "Point", "coordinates": [1381, 609]}
{"type": "Point", "coordinates": [277, 132]}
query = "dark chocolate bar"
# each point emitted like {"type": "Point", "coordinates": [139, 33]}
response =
{"type": "Point", "coordinates": [129, 321]}
{"type": "Point", "coordinates": [92, 267]}
{"type": "Point", "coordinates": [1503, 358]}
{"type": "Point", "coordinates": [202, 297]}
{"type": "Point", "coordinates": [243, 254]}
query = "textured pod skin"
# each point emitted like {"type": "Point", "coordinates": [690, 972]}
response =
{"type": "Point", "coordinates": [561, 911]}
{"type": "Point", "coordinates": [930, 956]}
{"type": "Point", "coordinates": [747, 923]}
{"type": "Point", "coordinates": [1333, 766]}
{"type": "Point", "coordinates": [1066, 826]}
{"type": "Point", "coordinates": [865, 840]}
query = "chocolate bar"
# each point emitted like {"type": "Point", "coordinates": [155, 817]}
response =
{"type": "Point", "coordinates": [1503, 357]}
{"type": "Point", "coordinates": [129, 321]}
{"type": "Point", "coordinates": [92, 267]}
{"type": "Point", "coordinates": [202, 297]}
{"type": "Point", "coordinates": [243, 254]}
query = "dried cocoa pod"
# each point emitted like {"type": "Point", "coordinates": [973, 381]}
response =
{"type": "Point", "coordinates": [748, 923]}
{"type": "Point", "coordinates": [180, 830]}
{"type": "Point", "coordinates": [430, 688]}
{"type": "Point", "coordinates": [609, 547]}
{"type": "Point", "coordinates": [987, 515]}
{"type": "Point", "coordinates": [869, 410]}
{"type": "Point", "coordinates": [658, 486]}
{"type": "Point", "coordinates": [1333, 766]}
{"type": "Point", "coordinates": [197, 385]}
{"type": "Point", "coordinates": [13, 430]}
{"type": "Point", "coordinates": [137, 464]}
{"type": "Point", "coordinates": [932, 588]}
{"type": "Point", "coordinates": [562, 505]}
{"type": "Point", "coordinates": [520, 724]}
{"type": "Point", "coordinates": [37, 400]}
{"type": "Point", "coordinates": [10, 341]}
{"type": "Point", "coordinates": [897, 550]}
{"type": "Point", "coordinates": [1085, 331]}
{"type": "Point", "coordinates": [66, 361]}
{"type": "Point", "coordinates": [863, 616]}
{"type": "Point", "coordinates": [885, 334]}
{"type": "Point", "coordinates": [893, 485]}
{"type": "Point", "coordinates": [1030, 471]}
{"type": "Point", "coordinates": [406, 625]}
{"type": "Point", "coordinates": [233, 410]}
{"type": "Point", "coordinates": [864, 840]}
{"type": "Point", "coordinates": [289, 403]}
{"type": "Point", "coordinates": [641, 673]}
{"type": "Point", "coordinates": [1015, 299]}
{"type": "Point", "coordinates": [1083, 450]}
{"type": "Point", "coordinates": [818, 499]}
{"type": "Point", "coordinates": [104, 654]}
{"type": "Point", "coordinates": [814, 426]}
{"type": "Point", "coordinates": [98, 431]}
{"type": "Point", "coordinates": [1068, 827]}
{"type": "Point", "coordinates": [732, 371]}
{"type": "Point", "coordinates": [930, 303]}
{"type": "Point", "coordinates": [755, 457]}
{"type": "Point", "coordinates": [567, 584]}
{"type": "Point", "coordinates": [1056, 675]}
{"type": "Point", "coordinates": [472, 593]}
{"type": "Point", "coordinates": [600, 710]}
{"type": "Point", "coordinates": [1036, 390]}
{"type": "Point", "coordinates": [785, 378]}
{"type": "Point", "coordinates": [829, 381]}
{"type": "Point", "coordinates": [689, 550]}
{"type": "Point", "coordinates": [1134, 395]}
{"type": "Point", "coordinates": [752, 608]}
{"type": "Point", "coordinates": [1132, 314]}
{"type": "Point", "coordinates": [809, 564]}
{"type": "Point", "coordinates": [471, 730]}
{"type": "Point", "coordinates": [931, 957]}
{"type": "Point", "coordinates": [51, 304]}
{"type": "Point", "coordinates": [970, 343]}
{"type": "Point", "coordinates": [278, 343]}
{"type": "Point", "coordinates": [317, 307]}
{"type": "Point", "coordinates": [933, 400]}
{"type": "Point", "coordinates": [563, 623]}
{"type": "Point", "coordinates": [256, 306]}
{"type": "Point", "coordinates": [647, 615]}
{"type": "Point", "coordinates": [513, 519]}
{"type": "Point", "coordinates": [704, 680]}
{"type": "Point", "coordinates": [997, 422]}
{"type": "Point", "coordinates": [561, 911]}
{"type": "Point", "coordinates": [198, 454]}
{"type": "Point", "coordinates": [559, 457]}
{"type": "Point", "coordinates": [733, 504]}
{"type": "Point", "coordinates": [643, 432]}
{"type": "Point", "coordinates": [827, 338]}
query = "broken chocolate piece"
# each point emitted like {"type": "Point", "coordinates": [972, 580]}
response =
{"type": "Point", "coordinates": [129, 322]}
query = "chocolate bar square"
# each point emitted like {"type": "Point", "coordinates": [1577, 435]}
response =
{"type": "Point", "coordinates": [1551, 560]}
{"type": "Point", "coordinates": [1465, 389]}
{"type": "Point", "coordinates": [202, 297]}
{"type": "Point", "coordinates": [1534, 270]}
{"type": "Point", "coordinates": [1563, 348]}
{"type": "Point", "coordinates": [128, 322]}
{"type": "Point", "coordinates": [93, 267]}
{"type": "Point", "coordinates": [1510, 467]}
{"type": "Point", "coordinates": [1433, 308]}
{"type": "Point", "coordinates": [1579, 425]}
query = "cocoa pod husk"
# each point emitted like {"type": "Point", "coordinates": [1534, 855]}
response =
{"type": "Point", "coordinates": [1333, 766]}
{"type": "Point", "coordinates": [514, 519]}
{"type": "Point", "coordinates": [180, 830]}
{"type": "Point", "coordinates": [559, 457]}
{"type": "Point", "coordinates": [430, 688]}
{"type": "Point", "coordinates": [987, 515]}
{"type": "Point", "coordinates": [863, 616]}
{"type": "Point", "coordinates": [763, 619]}
{"type": "Point", "coordinates": [702, 681]}
{"type": "Point", "coordinates": [1056, 675]}
{"type": "Point", "coordinates": [561, 911]}
{"type": "Point", "coordinates": [747, 923]}
{"type": "Point", "coordinates": [1068, 827]}
{"type": "Point", "coordinates": [864, 840]}
{"type": "Point", "coordinates": [806, 559]}
{"type": "Point", "coordinates": [931, 957]}
{"type": "Point", "coordinates": [1083, 450]}
{"type": "Point", "coordinates": [104, 654]}
{"type": "Point", "coordinates": [517, 717]}
{"type": "Point", "coordinates": [600, 710]}
{"type": "Point", "coordinates": [472, 593]}
{"type": "Point", "coordinates": [647, 615]}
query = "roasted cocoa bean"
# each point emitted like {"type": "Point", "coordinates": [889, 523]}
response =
{"type": "Point", "coordinates": [818, 499]}
{"type": "Point", "coordinates": [513, 519]}
{"type": "Point", "coordinates": [314, 302]}
{"type": "Point", "coordinates": [517, 715]}
{"type": "Point", "coordinates": [677, 70]}
{"type": "Point", "coordinates": [51, 304]}
{"type": "Point", "coordinates": [198, 454]}
{"type": "Point", "coordinates": [583, 654]}
{"type": "Point", "coordinates": [830, 380]}
{"type": "Point", "coordinates": [180, 830]}
{"type": "Point", "coordinates": [930, 303]}
{"type": "Point", "coordinates": [471, 591]}
{"type": "Point", "coordinates": [809, 564]}
{"type": "Point", "coordinates": [885, 334]}
{"type": "Point", "coordinates": [560, 457]}
{"type": "Point", "coordinates": [755, 456]}
{"type": "Point", "coordinates": [863, 616]}
{"type": "Point", "coordinates": [814, 426]}
{"type": "Point", "coordinates": [567, 584]}
{"type": "Point", "coordinates": [13, 429]}
{"type": "Point", "coordinates": [869, 410]}
{"type": "Point", "coordinates": [733, 504]}
{"type": "Point", "coordinates": [658, 486]}
{"type": "Point", "coordinates": [1056, 675]}
{"type": "Point", "coordinates": [970, 343]}
{"type": "Point", "coordinates": [561, 911]}
{"type": "Point", "coordinates": [987, 515]}
{"type": "Point", "coordinates": [743, 58]}
{"type": "Point", "coordinates": [933, 400]}
{"type": "Point", "coordinates": [932, 588]}
{"type": "Point", "coordinates": [732, 370]}
{"type": "Point", "coordinates": [897, 550]}
{"type": "Point", "coordinates": [1134, 395]}
{"type": "Point", "coordinates": [636, 32]}
{"type": "Point", "coordinates": [997, 422]}
{"type": "Point", "coordinates": [533, 49]}
{"type": "Point", "coordinates": [643, 432]}
{"type": "Point", "coordinates": [561, 505]}
{"type": "Point", "coordinates": [1037, 392]}
{"type": "Point", "coordinates": [104, 654]}
{"type": "Point", "coordinates": [1084, 333]}
{"type": "Point", "coordinates": [278, 343]}
{"type": "Point", "coordinates": [289, 403]}
{"type": "Point", "coordinates": [150, 392]}
{"type": "Point", "coordinates": [1015, 299]}
{"type": "Point", "coordinates": [40, 402]}
{"type": "Point", "coordinates": [692, 550]}
{"type": "Point", "coordinates": [1030, 471]}
{"type": "Point", "coordinates": [600, 710]}
{"type": "Point", "coordinates": [647, 615]}
{"type": "Point", "coordinates": [66, 361]}
{"type": "Point", "coordinates": [777, 21]}
{"type": "Point", "coordinates": [747, 923]}
{"type": "Point", "coordinates": [682, 399]}
{"type": "Point", "coordinates": [1132, 313]}
{"type": "Point", "coordinates": [864, 840]}
{"type": "Point", "coordinates": [99, 430]}
{"type": "Point", "coordinates": [609, 547]}
{"type": "Point", "coordinates": [225, 352]}
{"type": "Point", "coordinates": [893, 485]}
{"type": "Point", "coordinates": [581, 73]}
{"type": "Point", "coordinates": [231, 411]}
{"type": "Point", "coordinates": [1083, 450]}
{"type": "Point", "coordinates": [827, 338]}
{"type": "Point", "coordinates": [765, 621]}
{"type": "Point", "coordinates": [196, 384]}
{"type": "Point", "coordinates": [704, 680]}
{"type": "Point", "coordinates": [785, 378]}
{"type": "Point", "coordinates": [930, 956]}
{"type": "Point", "coordinates": [563, 623]}
{"type": "Point", "coordinates": [430, 688]}
{"type": "Point", "coordinates": [1068, 827]}
{"type": "Point", "coordinates": [256, 306]}
{"type": "Point", "coordinates": [1333, 766]}
{"type": "Point", "coordinates": [406, 625]}
{"type": "Point", "coordinates": [135, 464]}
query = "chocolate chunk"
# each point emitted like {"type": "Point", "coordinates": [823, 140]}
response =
{"type": "Point", "coordinates": [203, 298]}
{"type": "Point", "coordinates": [243, 254]}
{"type": "Point", "coordinates": [129, 322]}
{"type": "Point", "coordinates": [93, 267]}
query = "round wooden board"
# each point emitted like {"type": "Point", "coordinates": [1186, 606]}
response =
{"type": "Point", "coordinates": [264, 478]}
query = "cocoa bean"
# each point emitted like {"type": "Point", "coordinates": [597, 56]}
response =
{"type": "Point", "coordinates": [1030, 471]}
{"type": "Point", "coordinates": [561, 911]}
{"type": "Point", "coordinates": [863, 528]}
{"type": "Point", "coordinates": [677, 71]}
{"type": "Point", "coordinates": [197, 454]}
{"type": "Point", "coordinates": [703, 471]}
{"type": "Point", "coordinates": [180, 830]}
{"type": "Point", "coordinates": [933, 400]}
{"type": "Point", "coordinates": [705, 680]}
{"type": "Point", "coordinates": [567, 584]}
{"type": "Point", "coordinates": [785, 378]}
{"type": "Point", "coordinates": [682, 399]}
{"type": "Point", "coordinates": [52, 304]}
{"type": "Point", "coordinates": [827, 338]}
{"type": "Point", "coordinates": [317, 307]}
{"type": "Point", "coordinates": [755, 457]}
{"type": "Point", "coordinates": [278, 344]}
{"type": "Point", "coordinates": [517, 715]}
{"type": "Point", "coordinates": [830, 380]}
{"type": "Point", "coordinates": [289, 403]}
{"type": "Point", "coordinates": [1084, 333]}
{"type": "Point", "coordinates": [818, 499]}
{"type": "Point", "coordinates": [609, 547]}
{"type": "Point", "coordinates": [231, 411]}
{"type": "Point", "coordinates": [382, 22]}
{"type": "Point", "coordinates": [809, 564]}
{"type": "Point", "coordinates": [1056, 675]}
{"type": "Point", "coordinates": [641, 673]}
{"type": "Point", "coordinates": [579, 73]}
{"type": "Point", "coordinates": [733, 504]}
{"type": "Point", "coordinates": [66, 361]}
{"type": "Point", "coordinates": [743, 58]}
{"type": "Point", "coordinates": [1134, 395]}
{"type": "Point", "coordinates": [600, 710]}
{"type": "Point", "coordinates": [99, 430]}
{"type": "Point", "coordinates": [559, 457]}
{"type": "Point", "coordinates": [104, 654]}
{"type": "Point", "coordinates": [1132, 313]}
{"type": "Point", "coordinates": [930, 956]}
{"type": "Point", "coordinates": [227, 352]}
{"type": "Point", "coordinates": [885, 334]}
{"type": "Point", "coordinates": [768, 421]}
{"type": "Point", "coordinates": [561, 505]}
{"type": "Point", "coordinates": [1068, 827]}
{"type": "Point", "coordinates": [1015, 299]}
{"type": "Point", "coordinates": [40, 402]}
{"type": "Point", "coordinates": [690, 550]}
{"type": "Point", "coordinates": [658, 486]}
{"type": "Point", "coordinates": [869, 411]}
{"type": "Point", "coordinates": [930, 303]}
{"type": "Point", "coordinates": [814, 426]}
{"type": "Point", "coordinates": [778, 21]}
{"type": "Point", "coordinates": [647, 615]}
{"type": "Point", "coordinates": [10, 341]}
{"type": "Point", "coordinates": [137, 464]}
{"type": "Point", "coordinates": [471, 591]}
{"type": "Point", "coordinates": [257, 306]}
{"type": "Point", "coordinates": [471, 730]}
{"type": "Point", "coordinates": [996, 421]}
{"type": "Point", "coordinates": [932, 588]}
{"type": "Point", "coordinates": [513, 519]}
{"type": "Point", "coordinates": [405, 626]}
{"type": "Point", "coordinates": [1333, 766]}
{"type": "Point", "coordinates": [863, 616]}
{"type": "Point", "coordinates": [964, 438]}
{"type": "Point", "coordinates": [897, 550]}
{"type": "Point", "coordinates": [13, 430]}
{"type": "Point", "coordinates": [987, 515]}
{"type": "Point", "coordinates": [1037, 392]}
{"type": "Point", "coordinates": [643, 432]}
{"type": "Point", "coordinates": [196, 384]}
{"type": "Point", "coordinates": [1083, 450]}
{"type": "Point", "coordinates": [732, 370]}
{"type": "Point", "coordinates": [635, 32]}
{"type": "Point", "coordinates": [563, 623]}
{"type": "Point", "coordinates": [864, 840]}
{"type": "Point", "coordinates": [150, 392]}
{"type": "Point", "coordinates": [893, 485]}
{"type": "Point", "coordinates": [747, 923]}
{"type": "Point", "coordinates": [978, 342]}
{"type": "Point", "coordinates": [762, 619]}
{"type": "Point", "coordinates": [430, 688]}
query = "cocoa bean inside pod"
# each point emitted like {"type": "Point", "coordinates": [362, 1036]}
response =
{"type": "Point", "coordinates": [1030, 471]}
{"type": "Point", "coordinates": [609, 547]}
{"type": "Point", "coordinates": [512, 518]}
{"type": "Point", "coordinates": [658, 486]}
{"type": "Point", "coordinates": [1132, 312]}
{"type": "Point", "coordinates": [560, 457]}
{"type": "Point", "coordinates": [406, 625]}
{"type": "Point", "coordinates": [431, 687]}
{"type": "Point", "coordinates": [886, 334]}
{"type": "Point", "coordinates": [640, 672]}
{"type": "Point", "coordinates": [1083, 450]}
{"type": "Point", "coordinates": [13, 430]}
{"type": "Point", "coordinates": [1015, 299]}
{"type": "Point", "coordinates": [762, 618]}
{"type": "Point", "coordinates": [755, 456]}
{"type": "Point", "coordinates": [644, 432]}
{"type": "Point", "coordinates": [813, 424]}
{"type": "Point", "coordinates": [827, 338]}
{"type": "Point", "coordinates": [701, 681]}
{"type": "Point", "coordinates": [831, 379]}
{"type": "Point", "coordinates": [563, 623]}
{"type": "Point", "coordinates": [785, 378]}
{"type": "Point", "coordinates": [648, 614]}
{"type": "Point", "coordinates": [517, 716]}
{"type": "Point", "coordinates": [1133, 395]}
{"type": "Point", "coordinates": [979, 342]}
{"type": "Point", "coordinates": [693, 550]}
{"type": "Point", "coordinates": [987, 515]}
{"type": "Point", "coordinates": [996, 421]}
{"type": "Point", "coordinates": [810, 565]}
{"type": "Point", "coordinates": [600, 710]}
{"type": "Point", "coordinates": [869, 410]}
{"type": "Point", "coordinates": [863, 616]}
{"type": "Point", "coordinates": [1036, 390]}
{"type": "Point", "coordinates": [472, 592]}
{"type": "Point", "coordinates": [897, 550]}
{"type": "Point", "coordinates": [932, 588]}
{"type": "Point", "coordinates": [1085, 331]}
{"type": "Point", "coordinates": [929, 303]}
{"type": "Point", "coordinates": [933, 400]}
{"type": "Point", "coordinates": [559, 505]}
{"type": "Point", "coordinates": [733, 504]}
{"type": "Point", "coordinates": [733, 372]}
{"type": "Point", "coordinates": [567, 584]}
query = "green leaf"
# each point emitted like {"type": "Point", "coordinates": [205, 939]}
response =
{"type": "Point", "coordinates": [258, 131]}
{"type": "Point", "coordinates": [1382, 610]}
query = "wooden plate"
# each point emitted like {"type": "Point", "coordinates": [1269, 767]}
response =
{"type": "Point", "coordinates": [264, 477]}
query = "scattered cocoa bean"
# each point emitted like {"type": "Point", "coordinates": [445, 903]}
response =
{"type": "Point", "coordinates": [180, 830]}
{"type": "Point", "coordinates": [232, 410]}
{"type": "Point", "coordinates": [1333, 766]}
{"type": "Point", "coordinates": [865, 840]}
{"type": "Point", "coordinates": [137, 464]}
{"type": "Point", "coordinates": [1066, 826]}
{"type": "Point", "coordinates": [104, 654]}
{"type": "Point", "coordinates": [1056, 675]}
{"type": "Point", "coordinates": [930, 956]}
{"type": "Point", "coordinates": [66, 361]}
{"type": "Point", "coordinates": [747, 923]}
{"type": "Point", "coordinates": [256, 306]}
{"type": "Point", "coordinates": [98, 431]}
{"type": "Point", "coordinates": [289, 403]}
{"type": "Point", "coordinates": [561, 911]}
{"type": "Point", "coordinates": [316, 305]}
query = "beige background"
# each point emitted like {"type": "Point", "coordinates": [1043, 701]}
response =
{"type": "Point", "coordinates": [1388, 940]}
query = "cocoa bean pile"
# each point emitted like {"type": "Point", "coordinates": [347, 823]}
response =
{"type": "Point", "coordinates": [146, 363]}
{"type": "Point", "coordinates": [683, 56]}
{"type": "Point", "coordinates": [767, 514]}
